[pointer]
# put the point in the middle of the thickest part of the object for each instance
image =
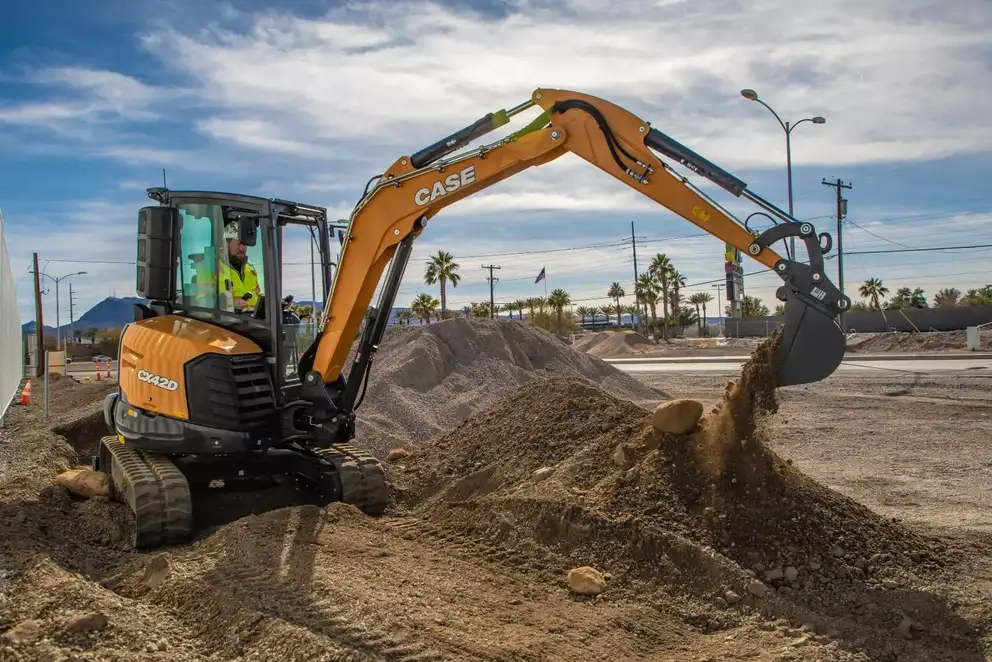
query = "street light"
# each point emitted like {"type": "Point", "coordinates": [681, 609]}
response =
{"type": "Point", "coordinates": [751, 95]}
{"type": "Point", "coordinates": [58, 326]}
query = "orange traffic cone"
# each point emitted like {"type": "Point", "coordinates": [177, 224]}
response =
{"type": "Point", "coordinates": [26, 394]}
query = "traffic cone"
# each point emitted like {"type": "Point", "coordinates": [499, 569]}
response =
{"type": "Point", "coordinates": [26, 394]}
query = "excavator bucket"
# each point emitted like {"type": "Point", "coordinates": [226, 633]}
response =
{"type": "Point", "coordinates": [813, 343]}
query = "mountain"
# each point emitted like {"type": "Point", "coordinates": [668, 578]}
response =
{"type": "Point", "coordinates": [111, 313]}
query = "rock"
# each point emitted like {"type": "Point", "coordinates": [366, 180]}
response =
{"type": "Point", "coordinates": [621, 457]}
{"type": "Point", "coordinates": [586, 581]}
{"type": "Point", "coordinates": [678, 416]}
{"type": "Point", "coordinates": [397, 454]}
{"type": "Point", "coordinates": [905, 628]}
{"type": "Point", "coordinates": [757, 588]}
{"type": "Point", "coordinates": [542, 473]}
{"type": "Point", "coordinates": [837, 550]}
{"type": "Point", "coordinates": [890, 583]}
{"type": "Point", "coordinates": [25, 632]}
{"type": "Point", "coordinates": [774, 574]}
{"type": "Point", "coordinates": [95, 620]}
{"type": "Point", "coordinates": [157, 571]}
{"type": "Point", "coordinates": [814, 566]}
{"type": "Point", "coordinates": [791, 574]}
{"type": "Point", "coordinates": [84, 483]}
{"type": "Point", "coordinates": [731, 597]}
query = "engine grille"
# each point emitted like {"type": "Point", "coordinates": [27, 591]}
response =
{"type": "Point", "coordinates": [231, 392]}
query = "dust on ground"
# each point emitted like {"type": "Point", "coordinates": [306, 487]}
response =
{"type": "Point", "coordinates": [470, 564]}
{"type": "Point", "coordinates": [916, 341]}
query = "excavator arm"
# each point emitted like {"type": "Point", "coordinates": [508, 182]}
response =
{"type": "Point", "coordinates": [396, 209]}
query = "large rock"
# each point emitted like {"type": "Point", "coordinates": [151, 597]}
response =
{"type": "Point", "coordinates": [84, 483]}
{"type": "Point", "coordinates": [586, 581]}
{"type": "Point", "coordinates": [677, 416]}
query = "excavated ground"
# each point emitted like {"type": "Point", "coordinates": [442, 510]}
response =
{"type": "Point", "coordinates": [712, 548]}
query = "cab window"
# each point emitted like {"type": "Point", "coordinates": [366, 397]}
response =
{"type": "Point", "coordinates": [216, 272]}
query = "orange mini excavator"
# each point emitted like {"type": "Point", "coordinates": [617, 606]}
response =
{"type": "Point", "coordinates": [212, 387]}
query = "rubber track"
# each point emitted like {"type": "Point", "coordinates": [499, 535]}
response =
{"type": "Point", "coordinates": [363, 481]}
{"type": "Point", "coordinates": [155, 491]}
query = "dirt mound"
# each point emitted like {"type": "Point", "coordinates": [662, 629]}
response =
{"type": "Point", "coordinates": [925, 341]}
{"type": "Point", "coordinates": [619, 343]}
{"type": "Point", "coordinates": [427, 379]}
{"type": "Point", "coordinates": [714, 514]}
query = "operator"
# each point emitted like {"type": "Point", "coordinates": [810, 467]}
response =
{"type": "Point", "coordinates": [239, 277]}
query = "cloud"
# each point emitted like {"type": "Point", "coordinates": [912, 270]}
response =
{"type": "Point", "coordinates": [310, 107]}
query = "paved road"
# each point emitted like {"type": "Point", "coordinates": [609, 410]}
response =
{"type": "Point", "coordinates": [732, 365]}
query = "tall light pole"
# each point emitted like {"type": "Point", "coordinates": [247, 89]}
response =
{"type": "Point", "coordinates": [751, 95]}
{"type": "Point", "coordinates": [58, 329]}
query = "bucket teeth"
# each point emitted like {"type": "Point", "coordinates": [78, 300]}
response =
{"type": "Point", "coordinates": [154, 490]}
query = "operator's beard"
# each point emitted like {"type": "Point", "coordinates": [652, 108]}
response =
{"type": "Point", "coordinates": [237, 260]}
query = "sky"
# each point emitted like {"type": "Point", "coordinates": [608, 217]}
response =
{"type": "Point", "coordinates": [307, 100]}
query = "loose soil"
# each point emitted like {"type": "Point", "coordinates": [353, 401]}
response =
{"type": "Point", "coordinates": [470, 562]}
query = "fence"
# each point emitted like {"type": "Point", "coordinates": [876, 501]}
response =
{"type": "Point", "coordinates": [11, 345]}
{"type": "Point", "coordinates": [874, 321]}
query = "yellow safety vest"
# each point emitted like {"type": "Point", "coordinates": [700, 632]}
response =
{"type": "Point", "coordinates": [233, 282]}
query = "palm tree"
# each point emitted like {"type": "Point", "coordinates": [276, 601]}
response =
{"type": "Point", "coordinates": [520, 305]}
{"type": "Point", "coordinates": [584, 311]}
{"type": "Point", "coordinates": [699, 299]}
{"type": "Point", "coordinates": [531, 305]}
{"type": "Point", "coordinates": [558, 299]}
{"type": "Point", "coordinates": [948, 297]}
{"type": "Point", "coordinates": [607, 311]}
{"type": "Point", "coordinates": [616, 293]}
{"type": "Point", "coordinates": [874, 290]}
{"type": "Point", "coordinates": [646, 289]}
{"type": "Point", "coordinates": [509, 307]}
{"type": "Point", "coordinates": [705, 298]}
{"type": "Point", "coordinates": [660, 268]}
{"type": "Point", "coordinates": [424, 306]}
{"type": "Point", "coordinates": [404, 317]}
{"type": "Point", "coordinates": [630, 309]}
{"type": "Point", "coordinates": [442, 268]}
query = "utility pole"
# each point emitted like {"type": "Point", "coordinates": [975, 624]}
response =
{"type": "Point", "coordinates": [841, 214]}
{"type": "Point", "coordinates": [492, 284]}
{"type": "Point", "coordinates": [637, 301]}
{"type": "Point", "coordinates": [39, 370]}
{"type": "Point", "coordinates": [72, 316]}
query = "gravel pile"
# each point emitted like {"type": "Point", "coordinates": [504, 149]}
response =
{"type": "Point", "coordinates": [427, 379]}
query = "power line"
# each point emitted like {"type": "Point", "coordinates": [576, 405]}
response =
{"type": "Point", "coordinates": [920, 250]}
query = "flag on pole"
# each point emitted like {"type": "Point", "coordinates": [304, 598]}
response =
{"type": "Point", "coordinates": [541, 276]}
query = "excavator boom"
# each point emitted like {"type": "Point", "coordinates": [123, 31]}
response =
{"type": "Point", "coordinates": [396, 209]}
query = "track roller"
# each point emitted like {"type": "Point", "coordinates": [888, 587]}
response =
{"type": "Point", "coordinates": [154, 489]}
{"type": "Point", "coordinates": [359, 478]}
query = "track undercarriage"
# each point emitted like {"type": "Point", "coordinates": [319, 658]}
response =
{"type": "Point", "coordinates": [162, 491]}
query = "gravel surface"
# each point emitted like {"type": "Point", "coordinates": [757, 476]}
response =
{"type": "Point", "coordinates": [780, 548]}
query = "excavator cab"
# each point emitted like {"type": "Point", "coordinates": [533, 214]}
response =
{"type": "Point", "coordinates": [194, 244]}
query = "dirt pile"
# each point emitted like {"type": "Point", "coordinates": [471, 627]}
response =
{"type": "Point", "coordinates": [560, 474]}
{"type": "Point", "coordinates": [925, 341]}
{"type": "Point", "coordinates": [427, 379]}
{"type": "Point", "coordinates": [621, 344]}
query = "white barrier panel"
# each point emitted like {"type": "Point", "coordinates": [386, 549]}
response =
{"type": "Point", "coordinates": [11, 342]}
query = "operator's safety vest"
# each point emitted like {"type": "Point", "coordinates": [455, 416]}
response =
{"type": "Point", "coordinates": [232, 282]}
{"type": "Point", "coordinates": [210, 290]}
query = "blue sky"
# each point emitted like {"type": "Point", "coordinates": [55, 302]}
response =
{"type": "Point", "coordinates": [308, 100]}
